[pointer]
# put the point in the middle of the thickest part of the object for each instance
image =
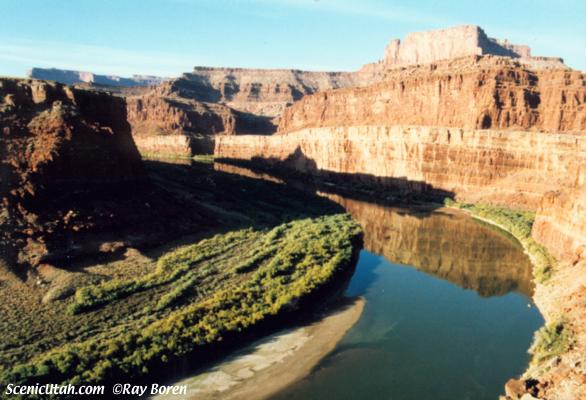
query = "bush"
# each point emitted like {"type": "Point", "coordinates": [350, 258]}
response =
{"type": "Point", "coordinates": [550, 341]}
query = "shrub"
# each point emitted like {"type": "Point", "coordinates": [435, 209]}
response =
{"type": "Point", "coordinates": [551, 340]}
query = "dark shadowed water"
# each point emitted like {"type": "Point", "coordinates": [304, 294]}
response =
{"type": "Point", "coordinates": [448, 312]}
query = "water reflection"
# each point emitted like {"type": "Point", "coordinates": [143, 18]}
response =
{"type": "Point", "coordinates": [445, 243]}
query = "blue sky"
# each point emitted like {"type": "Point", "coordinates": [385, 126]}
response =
{"type": "Point", "coordinates": [168, 37]}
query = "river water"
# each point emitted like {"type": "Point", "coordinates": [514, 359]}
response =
{"type": "Point", "coordinates": [448, 311]}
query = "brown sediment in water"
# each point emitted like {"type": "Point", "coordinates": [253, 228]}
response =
{"type": "Point", "coordinates": [275, 362]}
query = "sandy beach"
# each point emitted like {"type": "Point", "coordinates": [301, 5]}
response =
{"type": "Point", "coordinates": [275, 362]}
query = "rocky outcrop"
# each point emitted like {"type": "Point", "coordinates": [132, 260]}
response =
{"type": "Point", "coordinates": [54, 135]}
{"type": "Point", "coordinates": [455, 42]}
{"type": "Point", "coordinates": [72, 181]}
{"type": "Point", "coordinates": [476, 93]}
{"type": "Point", "coordinates": [70, 77]}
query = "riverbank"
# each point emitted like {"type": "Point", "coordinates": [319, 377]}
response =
{"type": "Point", "coordinates": [558, 366]}
{"type": "Point", "coordinates": [275, 362]}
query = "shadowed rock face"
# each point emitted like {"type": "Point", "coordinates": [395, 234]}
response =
{"type": "Point", "coordinates": [56, 137]}
{"type": "Point", "coordinates": [66, 154]}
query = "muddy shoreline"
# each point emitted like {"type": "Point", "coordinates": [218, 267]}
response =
{"type": "Point", "coordinates": [271, 364]}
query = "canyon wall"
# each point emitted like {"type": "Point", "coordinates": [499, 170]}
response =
{"type": "Point", "coordinates": [71, 178]}
{"type": "Point", "coordinates": [170, 125]}
{"type": "Point", "coordinates": [512, 168]}
{"type": "Point", "coordinates": [560, 223]}
{"type": "Point", "coordinates": [259, 91]}
{"type": "Point", "coordinates": [49, 128]}
{"type": "Point", "coordinates": [485, 92]}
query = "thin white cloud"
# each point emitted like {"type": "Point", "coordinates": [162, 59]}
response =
{"type": "Point", "coordinates": [104, 60]}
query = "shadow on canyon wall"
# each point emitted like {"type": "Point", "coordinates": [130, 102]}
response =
{"type": "Point", "coordinates": [301, 171]}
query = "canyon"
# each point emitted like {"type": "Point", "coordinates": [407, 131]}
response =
{"type": "Point", "coordinates": [449, 113]}
{"type": "Point", "coordinates": [182, 116]}
{"type": "Point", "coordinates": [255, 101]}
{"type": "Point", "coordinates": [502, 129]}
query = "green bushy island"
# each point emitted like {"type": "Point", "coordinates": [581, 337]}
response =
{"type": "Point", "coordinates": [201, 294]}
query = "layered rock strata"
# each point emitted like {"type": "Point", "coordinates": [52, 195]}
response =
{"type": "Point", "coordinates": [510, 168]}
{"type": "Point", "coordinates": [481, 129]}
{"type": "Point", "coordinates": [474, 93]}
{"type": "Point", "coordinates": [182, 116]}
{"type": "Point", "coordinates": [171, 125]}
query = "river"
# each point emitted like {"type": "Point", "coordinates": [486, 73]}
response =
{"type": "Point", "coordinates": [447, 314]}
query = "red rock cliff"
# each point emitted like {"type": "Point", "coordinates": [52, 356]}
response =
{"type": "Point", "coordinates": [512, 168]}
{"type": "Point", "coordinates": [475, 93]}
{"type": "Point", "coordinates": [59, 146]}
{"type": "Point", "coordinates": [172, 125]}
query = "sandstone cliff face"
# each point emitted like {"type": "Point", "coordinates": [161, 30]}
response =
{"type": "Point", "coordinates": [511, 168]}
{"type": "Point", "coordinates": [182, 116]}
{"type": "Point", "coordinates": [474, 93]}
{"type": "Point", "coordinates": [560, 223]}
{"type": "Point", "coordinates": [65, 153]}
{"type": "Point", "coordinates": [258, 91]}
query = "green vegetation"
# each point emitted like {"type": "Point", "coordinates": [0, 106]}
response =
{"type": "Point", "coordinates": [171, 267]}
{"type": "Point", "coordinates": [551, 340]}
{"type": "Point", "coordinates": [518, 223]}
{"type": "Point", "coordinates": [161, 156]}
{"type": "Point", "coordinates": [224, 285]}
{"type": "Point", "coordinates": [204, 158]}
